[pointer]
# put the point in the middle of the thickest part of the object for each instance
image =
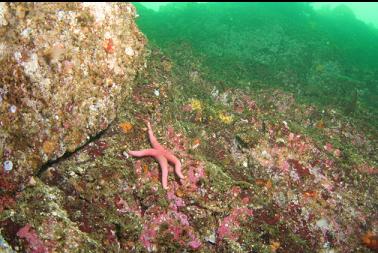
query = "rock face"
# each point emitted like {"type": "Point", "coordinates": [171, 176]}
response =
{"type": "Point", "coordinates": [64, 68]}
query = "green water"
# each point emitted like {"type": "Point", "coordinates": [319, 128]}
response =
{"type": "Point", "coordinates": [325, 56]}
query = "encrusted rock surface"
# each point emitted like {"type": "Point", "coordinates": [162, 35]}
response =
{"type": "Point", "coordinates": [64, 69]}
{"type": "Point", "coordinates": [264, 173]}
{"type": "Point", "coordinates": [290, 185]}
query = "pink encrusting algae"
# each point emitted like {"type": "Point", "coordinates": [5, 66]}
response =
{"type": "Point", "coordinates": [171, 220]}
{"type": "Point", "coordinates": [229, 225]}
{"type": "Point", "coordinates": [35, 245]}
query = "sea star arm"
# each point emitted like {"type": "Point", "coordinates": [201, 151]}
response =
{"type": "Point", "coordinates": [161, 155]}
{"type": "Point", "coordinates": [164, 170]}
{"type": "Point", "coordinates": [170, 157]}
{"type": "Point", "coordinates": [173, 159]}
{"type": "Point", "coordinates": [161, 160]}
{"type": "Point", "coordinates": [153, 140]}
{"type": "Point", "coordinates": [145, 152]}
{"type": "Point", "coordinates": [178, 170]}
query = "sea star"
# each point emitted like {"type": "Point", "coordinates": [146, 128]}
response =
{"type": "Point", "coordinates": [162, 155]}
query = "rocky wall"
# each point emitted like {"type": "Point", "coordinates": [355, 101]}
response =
{"type": "Point", "coordinates": [64, 68]}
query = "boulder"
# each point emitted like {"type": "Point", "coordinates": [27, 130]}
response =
{"type": "Point", "coordinates": [64, 69]}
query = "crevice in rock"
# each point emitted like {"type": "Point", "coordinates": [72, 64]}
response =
{"type": "Point", "coordinates": [68, 154]}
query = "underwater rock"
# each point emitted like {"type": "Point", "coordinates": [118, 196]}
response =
{"type": "Point", "coordinates": [248, 139]}
{"type": "Point", "coordinates": [65, 67]}
{"type": "Point", "coordinates": [46, 227]}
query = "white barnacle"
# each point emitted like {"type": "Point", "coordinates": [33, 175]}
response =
{"type": "Point", "coordinates": [108, 35]}
{"type": "Point", "coordinates": [12, 108]}
{"type": "Point", "coordinates": [129, 51]}
{"type": "Point", "coordinates": [60, 15]}
{"type": "Point", "coordinates": [8, 165]}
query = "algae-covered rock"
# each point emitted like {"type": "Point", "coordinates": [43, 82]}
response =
{"type": "Point", "coordinates": [64, 69]}
{"type": "Point", "coordinates": [248, 139]}
{"type": "Point", "coordinates": [40, 223]}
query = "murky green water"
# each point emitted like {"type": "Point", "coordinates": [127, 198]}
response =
{"type": "Point", "coordinates": [324, 55]}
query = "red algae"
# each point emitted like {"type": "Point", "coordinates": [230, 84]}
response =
{"type": "Point", "coordinates": [228, 226]}
{"type": "Point", "coordinates": [109, 46]}
{"type": "Point", "coordinates": [35, 245]}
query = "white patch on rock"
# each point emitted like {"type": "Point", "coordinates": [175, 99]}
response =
{"type": "Point", "coordinates": [129, 51]}
{"type": "Point", "coordinates": [112, 62]}
{"type": "Point", "coordinates": [26, 32]}
{"type": "Point", "coordinates": [108, 35]}
{"type": "Point", "coordinates": [3, 48]}
{"type": "Point", "coordinates": [99, 10]}
{"type": "Point", "coordinates": [245, 164]}
{"type": "Point", "coordinates": [322, 224]}
{"type": "Point", "coordinates": [211, 238]}
{"type": "Point", "coordinates": [129, 10]}
{"type": "Point", "coordinates": [94, 107]}
{"type": "Point", "coordinates": [3, 9]}
{"type": "Point", "coordinates": [214, 92]}
{"type": "Point", "coordinates": [8, 165]}
{"type": "Point", "coordinates": [17, 56]}
{"type": "Point", "coordinates": [294, 175]}
{"type": "Point", "coordinates": [12, 109]}
{"type": "Point", "coordinates": [60, 15]}
{"type": "Point", "coordinates": [67, 16]}
{"type": "Point", "coordinates": [266, 155]}
{"type": "Point", "coordinates": [31, 66]}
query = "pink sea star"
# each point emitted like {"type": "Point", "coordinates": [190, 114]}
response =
{"type": "Point", "coordinates": [162, 155]}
